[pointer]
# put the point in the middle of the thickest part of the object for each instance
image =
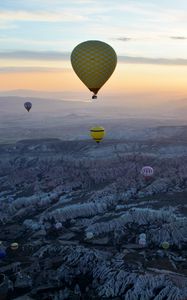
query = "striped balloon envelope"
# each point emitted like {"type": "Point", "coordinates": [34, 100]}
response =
{"type": "Point", "coordinates": [97, 133]}
{"type": "Point", "coordinates": [147, 171]}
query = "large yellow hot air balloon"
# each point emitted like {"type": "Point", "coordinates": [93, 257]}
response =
{"type": "Point", "coordinates": [93, 62]}
{"type": "Point", "coordinates": [97, 133]}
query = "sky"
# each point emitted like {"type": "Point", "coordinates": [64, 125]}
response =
{"type": "Point", "coordinates": [149, 37]}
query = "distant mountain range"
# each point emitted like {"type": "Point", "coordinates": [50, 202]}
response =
{"type": "Point", "coordinates": [122, 118]}
{"type": "Point", "coordinates": [64, 95]}
{"type": "Point", "coordinates": [110, 105]}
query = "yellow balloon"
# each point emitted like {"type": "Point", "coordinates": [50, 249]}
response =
{"type": "Point", "coordinates": [93, 62]}
{"type": "Point", "coordinates": [97, 133]}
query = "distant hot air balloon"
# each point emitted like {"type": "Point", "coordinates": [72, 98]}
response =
{"type": "Point", "coordinates": [147, 172]}
{"type": "Point", "coordinates": [142, 239]}
{"type": "Point", "coordinates": [14, 246]}
{"type": "Point", "coordinates": [142, 236]}
{"type": "Point", "coordinates": [93, 62]}
{"type": "Point", "coordinates": [28, 106]}
{"type": "Point", "coordinates": [89, 235]}
{"type": "Point", "coordinates": [165, 245]}
{"type": "Point", "coordinates": [58, 225]}
{"type": "Point", "coordinates": [97, 133]}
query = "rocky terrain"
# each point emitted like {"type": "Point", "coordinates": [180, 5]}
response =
{"type": "Point", "coordinates": [77, 209]}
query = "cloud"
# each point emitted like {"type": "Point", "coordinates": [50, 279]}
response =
{"type": "Point", "coordinates": [124, 39]}
{"type": "Point", "coordinates": [153, 61]}
{"type": "Point", "coordinates": [41, 16]}
{"type": "Point", "coordinates": [35, 55]}
{"type": "Point", "coordinates": [81, 2]}
{"type": "Point", "coordinates": [154, 12]}
{"type": "Point", "coordinates": [32, 69]}
{"type": "Point", "coordinates": [178, 37]}
{"type": "Point", "coordinates": [65, 56]}
{"type": "Point", "coordinates": [7, 25]}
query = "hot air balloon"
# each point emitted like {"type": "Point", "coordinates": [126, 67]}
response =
{"type": "Point", "coordinates": [147, 172]}
{"type": "Point", "coordinates": [93, 62]}
{"type": "Point", "coordinates": [14, 246]}
{"type": "Point", "coordinates": [97, 133]}
{"type": "Point", "coordinates": [165, 245]}
{"type": "Point", "coordinates": [58, 225]}
{"type": "Point", "coordinates": [28, 105]}
{"type": "Point", "coordinates": [142, 239]}
{"type": "Point", "coordinates": [89, 235]}
{"type": "Point", "coordinates": [142, 236]}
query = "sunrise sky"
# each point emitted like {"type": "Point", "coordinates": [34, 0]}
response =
{"type": "Point", "coordinates": [149, 37]}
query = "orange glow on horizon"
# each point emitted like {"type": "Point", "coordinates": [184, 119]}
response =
{"type": "Point", "coordinates": [126, 78]}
